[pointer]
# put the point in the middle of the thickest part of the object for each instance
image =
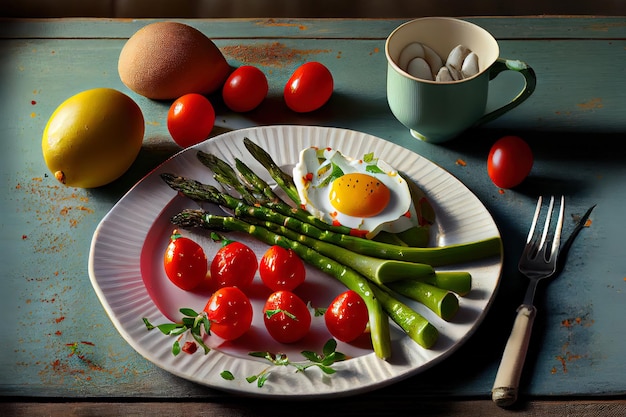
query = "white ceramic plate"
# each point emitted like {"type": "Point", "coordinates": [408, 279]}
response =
{"type": "Point", "coordinates": [125, 267]}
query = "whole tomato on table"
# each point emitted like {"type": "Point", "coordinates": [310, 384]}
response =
{"type": "Point", "coordinates": [509, 162]}
{"type": "Point", "coordinates": [309, 87]}
{"type": "Point", "coordinates": [190, 119]}
{"type": "Point", "coordinates": [281, 269]}
{"type": "Point", "coordinates": [287, 318]}
{"type": "Point", "coordinates": [245, 89]}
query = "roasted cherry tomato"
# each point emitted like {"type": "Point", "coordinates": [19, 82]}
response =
{"type": "Point", "coordinates": [510, 161]}
{"type": "Point", "coordinates": [309, 88]}
{"type": "Point", "coordinates": [185, 262]}
{"type": "Point", "coordinates": [230, 312]}
{"type": "Point", "coordinates": [287, 318]}
{"type": "Point", "coordinates": [281, 269]}
{"type": "Point", "coordinates": [190, 119]}
{"type": "Point", "coordinates": [245, 89]}
{"type": "Point", "coordinates": [190, 348]}
{"type": "Point", "coordinates": [234, 265]}
{"type": "Point", "coordinates": [346, 318]}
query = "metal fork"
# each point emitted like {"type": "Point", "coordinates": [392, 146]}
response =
{"type": "Point", "coordinates": [538, 261]}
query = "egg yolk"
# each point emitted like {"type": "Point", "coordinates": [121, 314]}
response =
{"type": "Point", "coordinates": [359, 195]}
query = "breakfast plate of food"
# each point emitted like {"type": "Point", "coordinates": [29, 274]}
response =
{"type": "Point", "coordinates": [360, 195]}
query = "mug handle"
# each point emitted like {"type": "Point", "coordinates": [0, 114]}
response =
{"type": "Point", "coordinates": [510, 65]}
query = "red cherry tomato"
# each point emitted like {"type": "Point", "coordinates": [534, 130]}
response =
{"type": "Point", "coordinates": [287, 318]}
{"type": "Point", "coordinates": [510, 161]}
{"type": "Point", "coordinates": [281, 269]}
{"type": "Point", "coordinates": [234, 265]}
{"type": "Point", "coordinates": [230, 312]}
{"type": "Point", "coordinates": [190, 348]}
{"type": "Point", "coordinates": [185, 262]}
{"type": "Point", "coordinates": [309, 88]}
{"type": "Point", "coordinates": [245, 89]}
{"type": "Point", "coordinates": [346, 318]}
{"type": "Point", "coordinates": [190, 119]}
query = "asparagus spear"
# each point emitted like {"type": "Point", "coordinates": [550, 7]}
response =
{"type": "Point", "coordinates": [416, 326]}
{"type": "Point", "coordinates": [284, 180]}
{"type": "Point", "coordinates": [227, 176]}
{"type": "Point", "coordinates": [442, 302]}
{"type": "Point", "coordinates": [434, 256]}
{"type": "Point", "coordinates": [457, 282]}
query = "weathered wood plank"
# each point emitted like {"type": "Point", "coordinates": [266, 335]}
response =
{"type": "Point", "coordinates": [244, 408]}
{"type": "Point", "coordinates": [537, 27]}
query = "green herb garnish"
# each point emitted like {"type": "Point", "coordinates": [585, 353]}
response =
{"type": "Point", "coordinates": [323, 361]}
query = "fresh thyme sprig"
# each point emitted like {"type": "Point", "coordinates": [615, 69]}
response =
{"type": "Point", "coordinates": [323, 361]}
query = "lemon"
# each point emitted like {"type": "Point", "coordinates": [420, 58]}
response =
{"type": "Point", "coordinates": [93, 137]}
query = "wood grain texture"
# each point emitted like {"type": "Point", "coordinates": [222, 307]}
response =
{"type": "Point", "coordinates": [521, 28]}
{"type": "Point", "coordinates": [422, 408]}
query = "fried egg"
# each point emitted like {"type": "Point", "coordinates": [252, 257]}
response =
{"type": "Point", "coordinates": [366, 194]}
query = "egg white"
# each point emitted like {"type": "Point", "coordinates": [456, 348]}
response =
{"type": "Point", "coordinates": [311, 174]}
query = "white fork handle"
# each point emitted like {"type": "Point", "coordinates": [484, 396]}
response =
{"type": "Point", "coordinates": [505, 387]}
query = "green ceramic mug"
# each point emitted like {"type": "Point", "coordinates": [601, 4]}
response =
{"type": "Point", "coordinates": [439, 111]}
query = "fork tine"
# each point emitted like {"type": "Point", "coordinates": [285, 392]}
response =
{"type": "Point", "coordinates": [546, 226]}
{"type": "Point", "coordinates": [531, 232]}
{"type": "Point", "coordinates": [556, 241]}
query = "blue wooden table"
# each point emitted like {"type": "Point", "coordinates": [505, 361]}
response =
{"type": "Point", "coordinates": [59, 345]}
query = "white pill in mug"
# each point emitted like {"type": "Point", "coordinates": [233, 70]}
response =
{"type": "Point", "coordinates": [470, 65]}
{"type": "Point", "coordinates": [443, 76]}
{"type": "Point", "coordinates": [419, 68]}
